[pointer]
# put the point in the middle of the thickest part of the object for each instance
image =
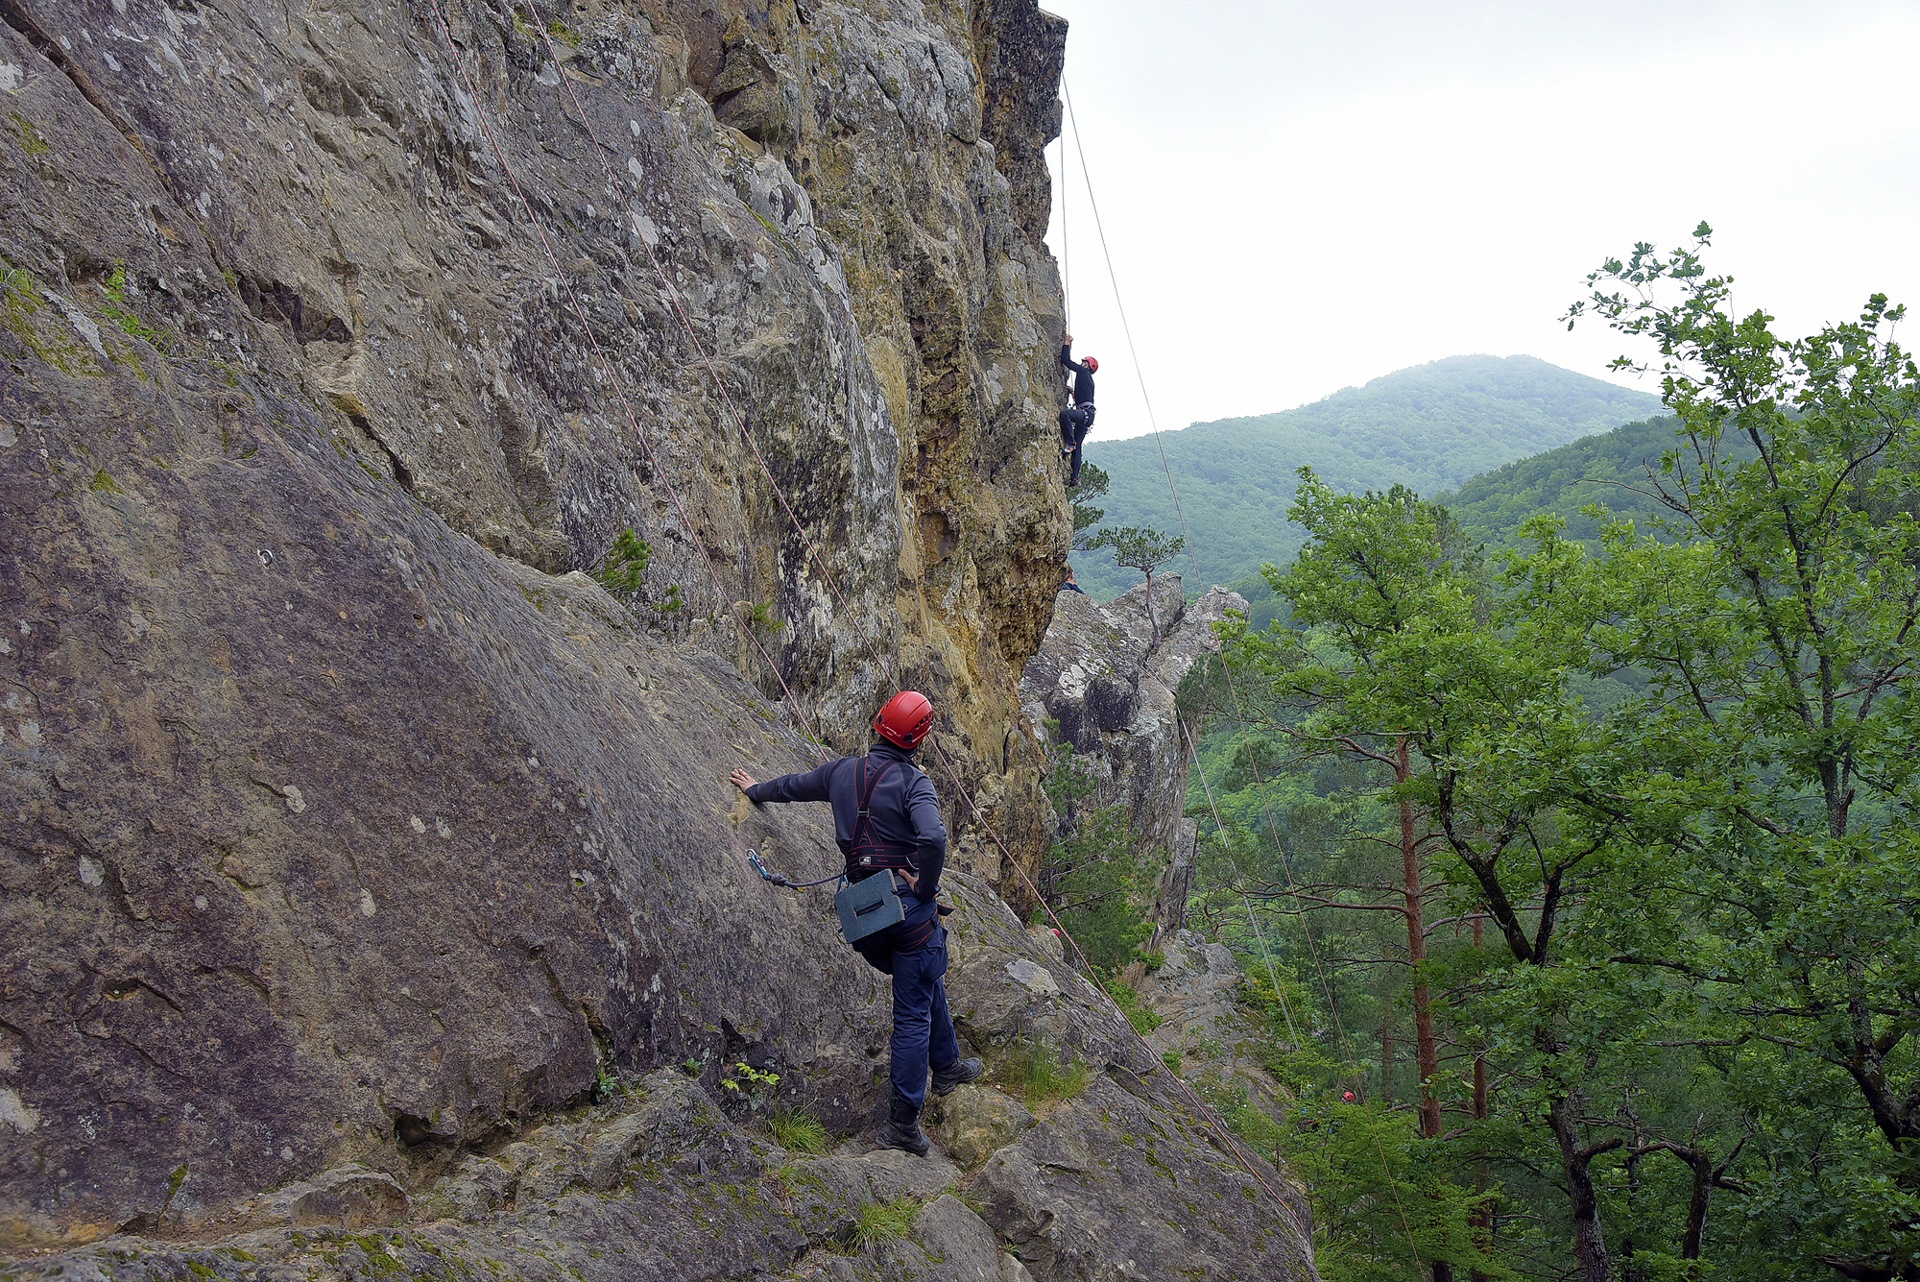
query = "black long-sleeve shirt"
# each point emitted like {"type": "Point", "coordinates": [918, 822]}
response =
{"type": "Point", "coordinates": [1082, 376]}
{"type": "Point", "coordinates": [905, 810]}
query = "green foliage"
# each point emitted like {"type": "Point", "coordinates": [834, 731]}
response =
{"type": "Point", "coordinates": [1093, 485]}
{"type": "Point", "coordinates": [117, 309]}
{"type": "Point", "coordinates": [1601, 478]}
{"type": "Point", "coordinates": [763, 618]}
{"type": "Point", "coordinates": [1039, 1075]}
{"type": "Point", "coordinates": [1778, 733]}
{"type": "Point", "coordinates": [1097, 879]}
{"type": "Point", "coordinates": [743, 1078]}
{"type": "Point", "coordinates": [1666, 758]}
{"type": "Point", "coordinates": [797, 1178]}
{"type": "Point", "coordinates": [1429, 428]}
{"type": "Point", "coordinates": [605, 1084]}
{"type": "Point", "coordinates": [1138, 548]}
{"type": "Point", "coordinates": [798, 1131]}
{"type": "Point", "coordinates": [1127, 998]}
{"type": "Point", "coordinates": [1381, 1201]}
{"type": "Point", "coordinates": [624, 571]}
{"type": "Point", "coordinates": [878, 1223]}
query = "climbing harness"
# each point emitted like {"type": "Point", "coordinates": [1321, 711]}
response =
{"type": "Point", "coordinates": [867, 904]}
{"type": "Point", "coordinates": [865, 852]}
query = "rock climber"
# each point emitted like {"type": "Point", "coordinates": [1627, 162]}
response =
{"type": "Point", "coordinates": [1071, 584]}
{"type": "Point", "coordinates": [1077, 419]}
{"type": "Point", "coordinates": [887, 820]}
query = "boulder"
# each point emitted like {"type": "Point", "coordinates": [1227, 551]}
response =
{"type": "Point", "coordinates": [974, 1122]}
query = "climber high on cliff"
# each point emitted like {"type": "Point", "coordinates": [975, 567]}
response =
{"type": "Point", "coordinates": [887, 820]}
{"type": "Point", "coordinates": [1077, 419]}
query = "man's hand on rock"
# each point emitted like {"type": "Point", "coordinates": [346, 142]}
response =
{"type": "Point", "coordinates": [742, 780]}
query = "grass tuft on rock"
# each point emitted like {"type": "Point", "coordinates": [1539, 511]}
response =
{"type": "Point", "coordinates": [882, 1222]}
{"type": "Point", "coordinates": [1037, 1073]}
{"type": "Point", "coordinates": [798, 1131]}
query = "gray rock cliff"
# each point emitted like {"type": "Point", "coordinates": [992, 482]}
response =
{"type": "Point", "coordinates": [371, 898]}
{"type": "Point", "coordinates": [1107, 676]}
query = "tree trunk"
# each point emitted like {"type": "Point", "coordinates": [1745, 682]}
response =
{"type": "Point", "coordinates": [1589, 1238]}
{"type": "Point", "coordinates": [1386, 1056]}
{"type": "Point", "coordinates": [1482, 1219]}
{"type": "Point", "coordinates": [1426, 1052]}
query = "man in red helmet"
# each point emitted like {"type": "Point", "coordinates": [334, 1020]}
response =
{"type": "Point", "coordinates": [1077, 419]}
{"type": "Point", "coordinates": [887, 820]}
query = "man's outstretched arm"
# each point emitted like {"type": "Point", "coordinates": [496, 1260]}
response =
{"type": "Point", "coordinates": [810, 785]}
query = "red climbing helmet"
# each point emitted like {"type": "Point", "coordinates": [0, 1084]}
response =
{"type": "Point", "coordinates": [905, 720]}
{"type": "Point", "coordinates": [1093, 364]}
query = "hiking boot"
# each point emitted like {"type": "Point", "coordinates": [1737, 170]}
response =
{"type": "Point", "coordinates": [902, 1130]}
{"type": "Point", "coordinates": [959, 1074]}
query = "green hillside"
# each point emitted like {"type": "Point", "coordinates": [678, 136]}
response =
{"type": "Point", "coordinates": [1609, 470]}
{"type": "Point", "coordinates": [1432, 427]}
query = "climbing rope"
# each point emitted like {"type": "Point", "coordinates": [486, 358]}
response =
{"type": "Point", "coordinates": [1333, 1008]}
{"type": "Point", "coordinates": [1066, 260]}
{"type": "Point", "coordinates": [1220, 830]}
{"type": "Point", "coordinates": [1202, 1109]}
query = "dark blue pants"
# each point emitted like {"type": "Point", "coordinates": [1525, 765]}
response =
{"type": "Point", "coordinates": [1075, 423]}
{"type": "Point", "coordinates": [923, 1034]}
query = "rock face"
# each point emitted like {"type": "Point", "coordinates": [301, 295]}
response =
{"type": "Point", "coordinates": [763, 282]}
{"type": "Point", "coordinates": [1196, 993]}
{"type": "Point", "coordinates": [350, 836]}
{"type": "Point", "coordinates": [1107, 676]}
{"type": "Point", "coordinates": [670, 1179]}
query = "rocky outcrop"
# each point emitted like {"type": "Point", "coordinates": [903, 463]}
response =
{"type": "Point", "coordinates": [341, 817]}
{"type": "Point", "coordinates": [1197, 994]}
{"type": "Point", "coordinates": [761, 281]}
{"type": "Point", "coordinates": [672, 1178]}
{"type": "Point", "coordinates": [352, 839]}
{"type": "Point", "coordinates": [1106, 676]}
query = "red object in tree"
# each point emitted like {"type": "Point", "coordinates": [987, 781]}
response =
{"type": "Point", "coordinates": [1348, 1097]}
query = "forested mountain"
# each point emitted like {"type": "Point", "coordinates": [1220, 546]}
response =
{"type": "Point", "coordinates": [1575, 886]}
{"type": "Point", "coordinates": [1430, 428]}
{"type": "Point", "coordinates": [1610, 470]}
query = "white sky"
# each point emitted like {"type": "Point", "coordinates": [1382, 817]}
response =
{"type": "Point", "coordinates": [1299, 197]}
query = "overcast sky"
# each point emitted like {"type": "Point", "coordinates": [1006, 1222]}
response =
{"type": "Point", "coordinates": [1299, 197]}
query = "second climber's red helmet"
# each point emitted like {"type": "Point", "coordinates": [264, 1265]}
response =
{"type": "Point", "coordinates": [905, 720]}
{"type": "Point", "coordinates": [1093, 364]}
